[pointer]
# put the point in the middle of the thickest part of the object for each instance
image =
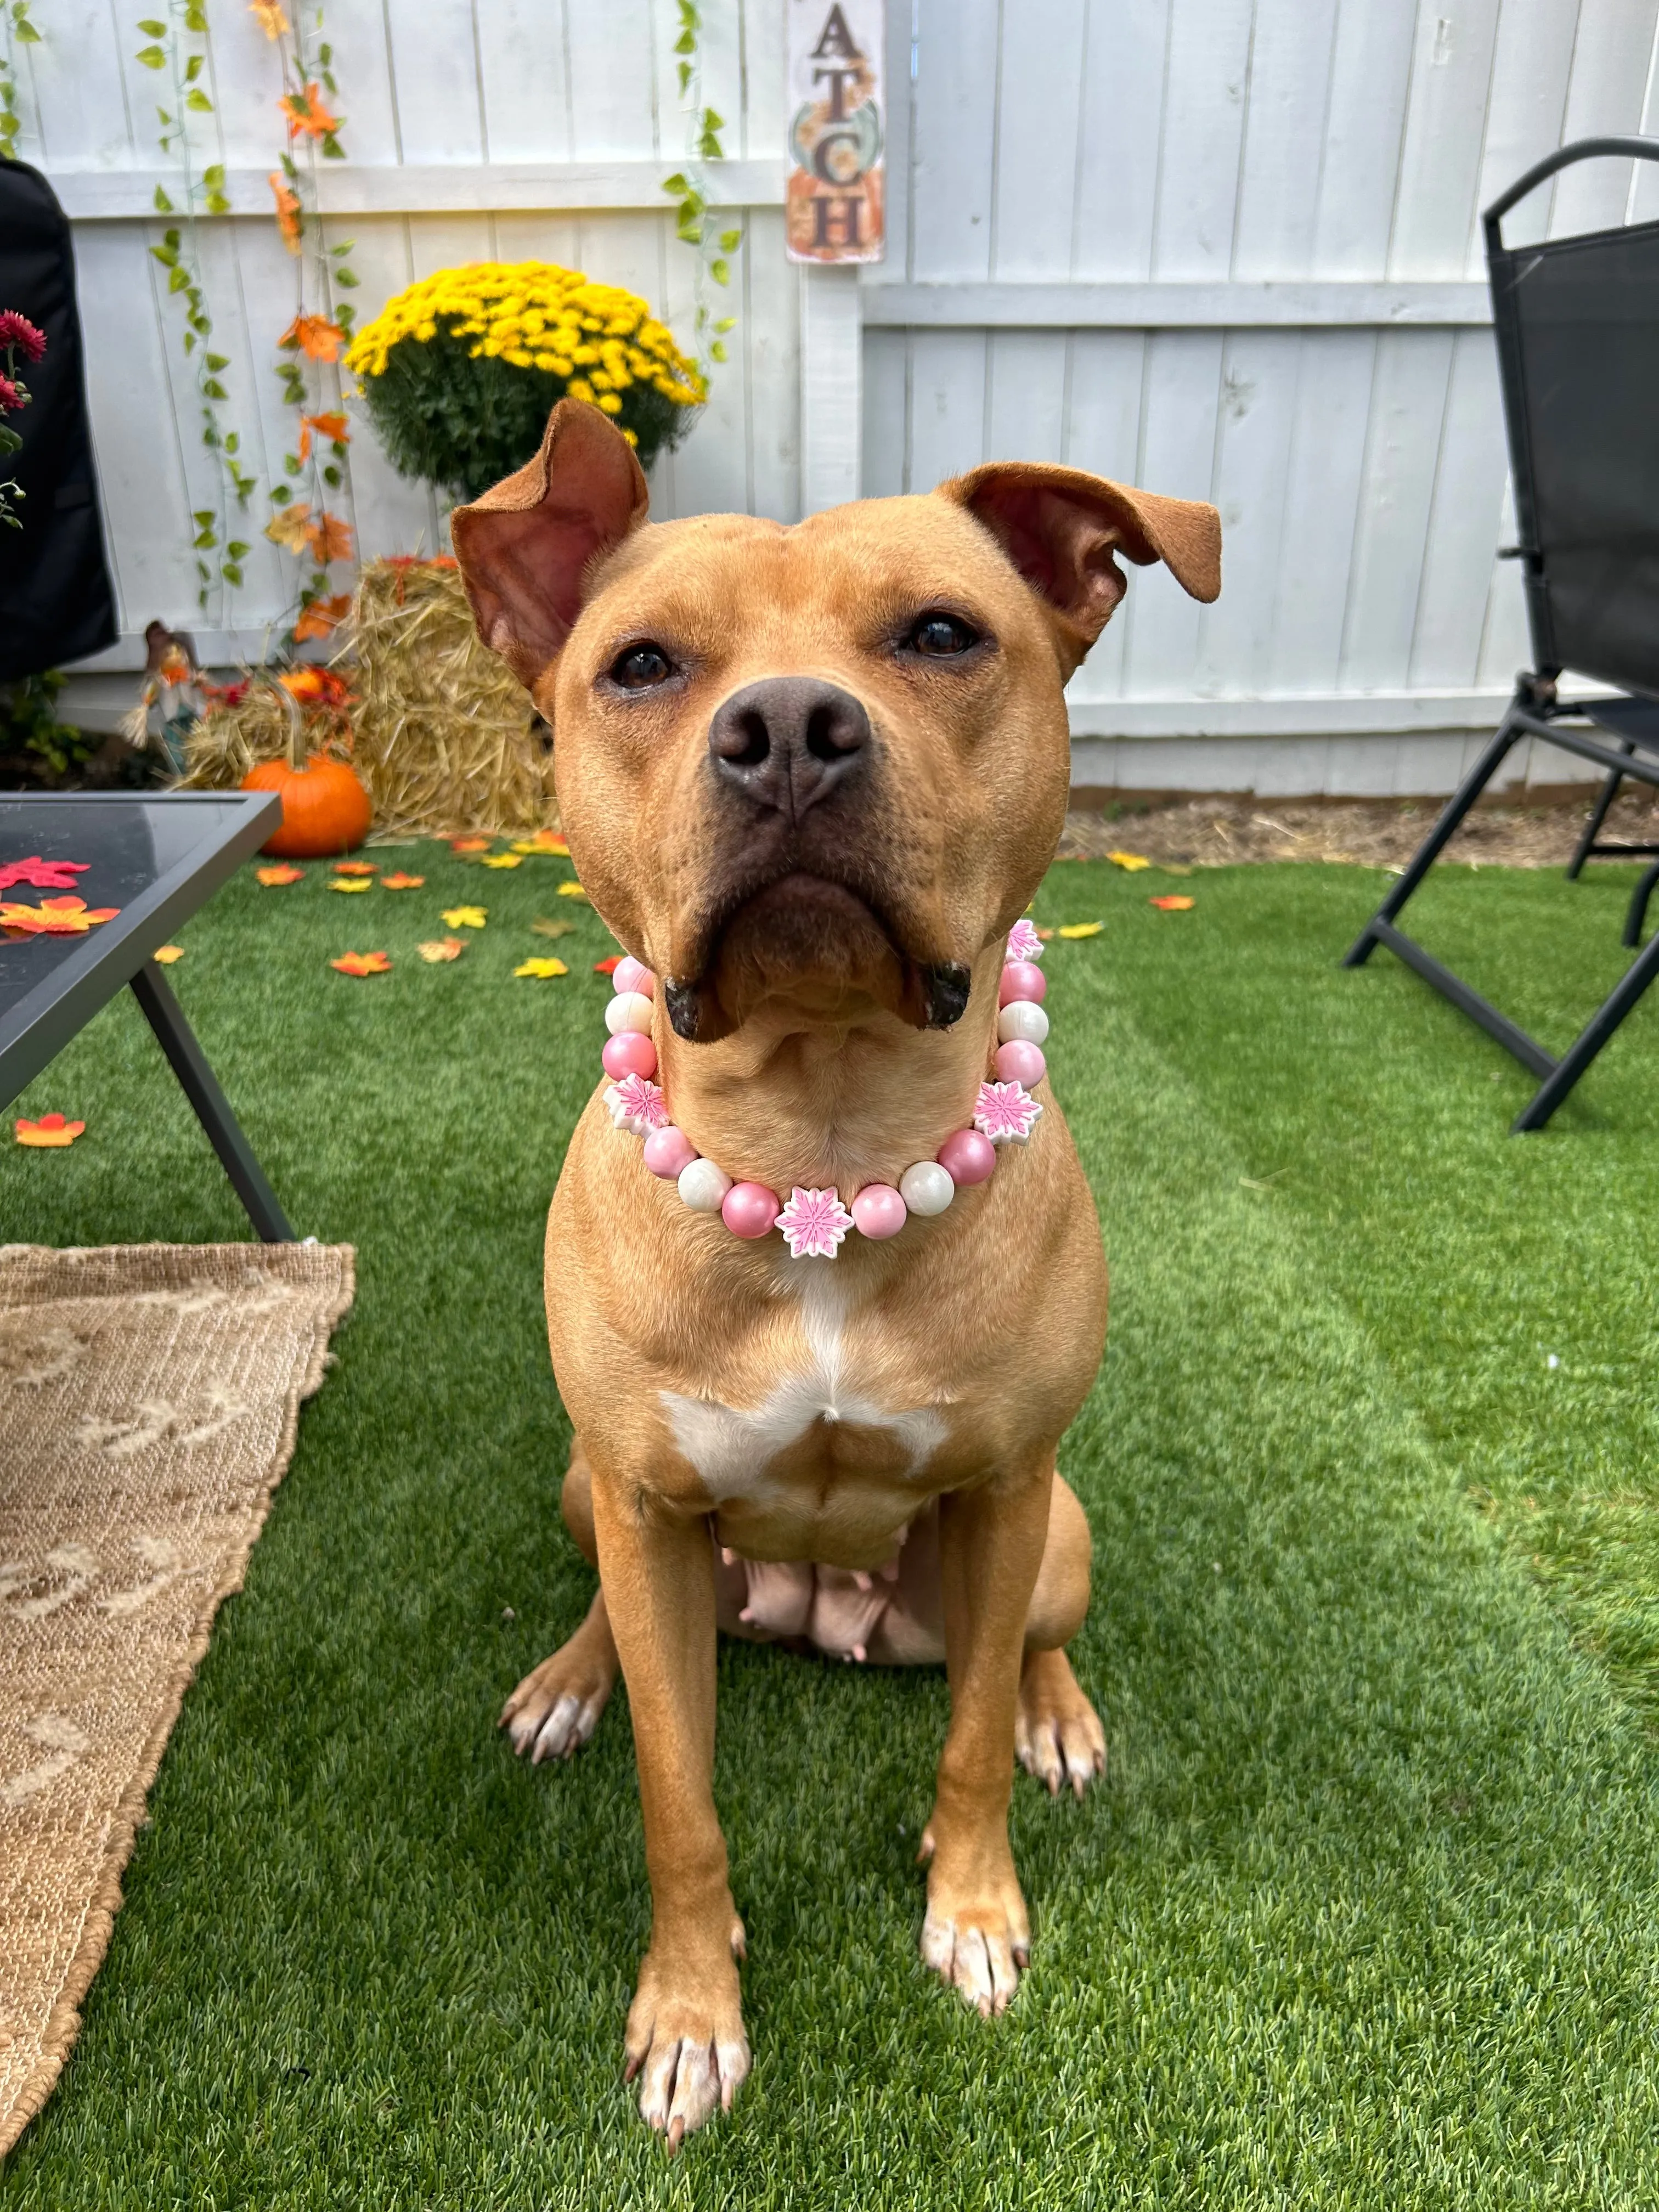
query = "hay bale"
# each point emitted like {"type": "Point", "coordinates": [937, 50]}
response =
{"type": "Point", "coordinates": [441, 730]}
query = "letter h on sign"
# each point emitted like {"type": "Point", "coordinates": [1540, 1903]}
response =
{"type": "Point", "coordinates": [835, 206]}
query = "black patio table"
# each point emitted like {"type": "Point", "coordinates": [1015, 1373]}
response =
{"type": "Point", "coordinates": [157, 857]}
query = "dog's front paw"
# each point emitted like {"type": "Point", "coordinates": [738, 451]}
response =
{"type": "Point", "coordinates": [1058, 1737]}
{"type": "Point", "coordinates": [557, 1707]}
{"type": "Point", "coordinates": [976, 1935]}
{"type": "Point", "coordinates": [686, 2039]}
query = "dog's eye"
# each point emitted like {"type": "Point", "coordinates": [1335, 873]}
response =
{"type": "Point", "coordinates": [641, 667]}
{"type": "Point", "coordinates": [939, 636]}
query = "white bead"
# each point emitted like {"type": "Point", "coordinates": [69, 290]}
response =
{"type": "Point", "coordinates": [629, 1009]}
{"type": "Point", "coordinates": [702, 1186]}
{"type": "Point", "coordinates": [927, 1187]}
{"type": "Point", "coordinates": [1024, 1019]}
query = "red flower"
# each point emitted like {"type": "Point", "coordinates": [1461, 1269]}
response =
{"type": "Point", "coordinates": [18, 330]}
{"type": "Point", "coordinates": [10, 397]}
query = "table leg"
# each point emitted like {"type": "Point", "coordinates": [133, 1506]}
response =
{"type": "Point", "coordinates": [201, 1086]}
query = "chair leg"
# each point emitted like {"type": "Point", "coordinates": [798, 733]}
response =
{"type": "Point", "coordinates": [1595, 1033]}
{"type": "Point", "coordinates": [1593, 827]}
{"type": "Point", "coordinates": [1639, 905]}
{"type": "Point", "coordinates": [1456, 808]}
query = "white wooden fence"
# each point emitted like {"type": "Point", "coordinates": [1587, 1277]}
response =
{"type": "Point", "coordinates": [1223, 248]}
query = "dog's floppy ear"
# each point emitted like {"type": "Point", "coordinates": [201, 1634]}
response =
{"type": "Point", "coordinates": [1062, 528]}
{"type": "Point", "coordinates": [524, 546]}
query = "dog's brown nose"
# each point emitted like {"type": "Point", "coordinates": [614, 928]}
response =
{"type": "Point", "coordinates": [788, 740]}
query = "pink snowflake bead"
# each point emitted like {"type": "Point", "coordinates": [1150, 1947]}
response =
{"type": "Point", "coordinates": [636, 1105]}
{"type": "Point", "coordinates": [878, 1210]}
{"type": "Point", "coordinates": [1005, 1114]}
{"type": "Point", "coordinates": [814, 1223]}
{"type": "Point", "coordinates": [1020, 1062]}
{"type": "Point", "coordinates": [1020, 980]}
{"type": "Point", "coordinates": [967, 1157]}
{"type": "Point", "coordinates": [628, 1053]}
{"type": "Point", "coordinates": [669, 1151]}
{"type": "Point", "coordinates": [632, 974]}
{"type": "Point", "coordinates": [1023, 943]}
{"type": "Point", "coordinates": [749, 1209]}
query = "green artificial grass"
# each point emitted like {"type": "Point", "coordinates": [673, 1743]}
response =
{"type": "Point", "coordinates": [1366, 1913]}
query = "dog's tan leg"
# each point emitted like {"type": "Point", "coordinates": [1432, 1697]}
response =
{"type": "Point", "coordinates": [1057, 1733]}
{"type": "Point", "coordinates": [557, 1707]}
{"type": "Point", "coordinates": [976, 1933]}
{"type": "Point", "coordinates": [685, 2036]}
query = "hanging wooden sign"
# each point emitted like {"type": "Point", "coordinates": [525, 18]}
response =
{"type": "Point", "coordinates": [837, 134]}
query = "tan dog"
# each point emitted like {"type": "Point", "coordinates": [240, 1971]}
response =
{"type": "Point", "coordinates": [811, 777]}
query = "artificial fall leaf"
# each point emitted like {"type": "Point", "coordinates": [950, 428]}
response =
{"type": "Point", "coordinates": [290, 527]}
{"type": "Point", "coordinates": [280, 874]}
{"type": "Point", "coordinates": [306, 112]}
{"type": "Point", "coordinates": [42, 875]}
{"type": "Point", "coordinates": [56, 917]}
{"type": "Point", "coordinates": [1172, 903]}
{"type": "Point", "coordinates": [441, 948]}
{"type": "Point", "coordinates": [167, 954]}
{"type": "Point", "coordinates": [330, 539]}
{"type": "Point", "coordinates": [543, 927]}
{"type": "Point", "coordinates": [609, 967]}
{"type": "Point", "coordinates": [318, 686]}
{"type": "Point", "coordinates": [1045, 934]}
{"type": "Point", "coordinates": [362, 964]}
{"type": "Point", "coordinates": [50, 1129]}
{"type": "Point", "coordinates": [357, 868]}
{"type": "Point", "coordinates": [503, 860]}
{"type": "Point", "coordinates": [352, 884]}
{"type": "Point", "coordinates": [288, 220]}
{"type": "Point", "coordinates": [465, 917]}
{"type": "Point", "coordinates": [572, 890]}
{"type": "Point", "coordinates": [322, 616]}
{"type": "Point", "coordinates": [335, 426]}
{"type": "Point", "coordinates": [400, 882]}
{"type": "Point", "coordinates": [1081, 928]}
{"type": "Point", "coordinates": [544, 840]}
{"type": "Point", "coordinates": [313, 335]}
{"type": "Point", "coordinates": [270, 18]}
{"type": "Point", "coordinates": [541, 968]}
{"type": "Point", "coordinates": [1129, 861]}
{"type": "Point", "coordinates": [470, 844]}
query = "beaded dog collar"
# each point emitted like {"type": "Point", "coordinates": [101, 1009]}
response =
{"type": "Point", "coordinates": [813, 1223]}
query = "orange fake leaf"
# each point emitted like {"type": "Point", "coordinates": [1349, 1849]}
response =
{"type": "Point", "coordinates": [362, 964]}
{"type": "Point", "coordinates": [53, 917]}
{"type": "Point", "coordinates": [317, 687]}
{"type": "Point", "coordinates": [470, 844]}
{"type": "Point", "coordinates": [321, 616]}
{"type": "Point", "coordinates": [441, 948]}
{"type": "Point", "coordinates": [289, 220]}
{"type": "Point", "coordinates": [357, 868]}
{"type": "Point", "coordinates": [609, 967]}
{"type": "Point", "coordinates": [50, 1129]}
{"type": "Point", "coordinates": [306, 112]}
{"type": "Point", "coordinates": [400, 882]}
{"type": "Point", "coordinates": [290, 527]}
{"type": "Point", "coordinates": [280, 874]}
{"type": "Point", "coordinates": [330, 539]}
{"type": "Point", "coordinates": [314, 335]}
{"type": "Point", "coordinates": [268, 15]}
{"type": "Point", "coordinates": [335, 426]}
{"type": "Point", "coordinates": [1172, 903]}
{"type": "Point", "coordinates": [544, 840]}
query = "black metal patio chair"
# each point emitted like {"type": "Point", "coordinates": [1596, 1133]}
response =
{"type": "Point", "coordinates": [1576, 322]}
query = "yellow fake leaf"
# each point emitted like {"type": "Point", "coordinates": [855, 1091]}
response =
{"type": "Point", "coordinates": [572, 890]}
{"type": "Point", "coordinates": [1129, 861]}
{"type": "Point", "coordinates": [543, 927]}
{"type": "Point", "coordinates": [541, 968]}
{"type": "Point", "coordinates": [290, 527]}
{"type": "Point", "coordinates": [503, 860]}
{"type": "Point", "coordinates": [167, 954]}
{"type": "Point", "coordinates": [544, 840]}
{"type": "Point", "coordinates": [352, 884]}
{"type": "Point", "coordinates": [465, 917]}
{"type": "Point", "coordinates": [1081, 928]}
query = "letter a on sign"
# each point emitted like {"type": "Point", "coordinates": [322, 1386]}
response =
{"type": "Point", "coordinates": [837, 119]}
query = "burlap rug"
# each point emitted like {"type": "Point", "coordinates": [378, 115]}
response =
{"type": "Point", "coordinates": [148, 1399]}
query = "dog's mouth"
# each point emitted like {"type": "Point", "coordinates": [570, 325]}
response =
{"type": "Point", "coordinates": [812, 939]}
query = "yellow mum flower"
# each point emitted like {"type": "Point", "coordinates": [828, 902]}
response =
{"type": "Point", "coordinates": [610, 403]}
{"type": "Point", "coordinates": [579, 388]}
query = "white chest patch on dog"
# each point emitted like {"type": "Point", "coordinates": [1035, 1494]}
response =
{"type": "Point", "coordinates": [732, 1446]}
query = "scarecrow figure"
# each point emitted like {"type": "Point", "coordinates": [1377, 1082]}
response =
{"type": "Point", "coordinates": [172, 686]}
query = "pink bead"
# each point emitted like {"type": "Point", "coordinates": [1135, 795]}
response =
{"type": "Point", "coordinates": [628, 1052]}
{"type": "Point", "coordinates": [966, 1157]}
{"type": "Point", "coordinates": [669, 1151]}
{"type": "Point", "coordinates": [1019, 1062]}
{"type": "Point", "coordinates": [1021, 979]}
{"type": "Point", "coordinates": [878, 1210]}
{"type": "Point", "coordinates": [749, 1209]}
{"type": "Point", "coordinates": [632, 974]}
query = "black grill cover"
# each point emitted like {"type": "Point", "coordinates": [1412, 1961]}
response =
{"type": "Point", "coordinates": [56, 604]}
{"type": "Point", "coordinates": [1578, 343]}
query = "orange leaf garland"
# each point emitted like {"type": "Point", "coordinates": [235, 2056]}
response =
{"type": "Point", "coordinates": [330, 539]}
{"type": "Point", "coordinates": [51, 1129]}
{"type": "Point", "coordinates": [268, 15]}
{"type": "Point", "coordinates": [321, 617]}
{"type": "Point", "coordinates": [290, 527]}
{"type": "Point", "coordinates": [362, 964]}
{"type": "Point", "coordinates": [337, 427]}
{"type": "Point", "coordinates": [280, 874]}
{"type": "Point", "coordinates": [313, 335]}
{"type": "Point", "coordinates": [306, 112]}
{"type": "Point", "coordinates": [56, 917]}
{"type": "Point", "coordinates": [289, 220]}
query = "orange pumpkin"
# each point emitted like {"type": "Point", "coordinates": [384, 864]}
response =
{"type": "Point", "coordinates": [324, 807]}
